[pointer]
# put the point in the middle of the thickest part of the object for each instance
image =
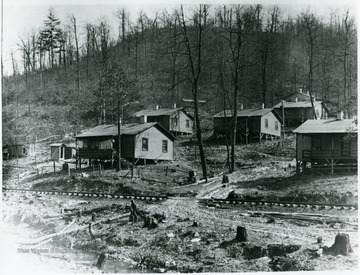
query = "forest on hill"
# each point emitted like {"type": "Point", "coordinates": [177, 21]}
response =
{"type": "Point", "coordinates": [226, 55]}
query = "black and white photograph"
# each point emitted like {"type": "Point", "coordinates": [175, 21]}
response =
{"type": "Point", "coordinates": [180, 136]}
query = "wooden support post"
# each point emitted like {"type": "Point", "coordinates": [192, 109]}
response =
{"type": "Point", "coordinates": [246, 131]}
{"type": "Point", "coordinates": [283, 126]}
{"type": "Point", "coordinates": [132, 171]}
{"type": "Point", "coordinates": [166, 170]}
{"type": "Point", "coordinates": [332, 156]}
{"type": "Point", "coordinates": [69, 172]}
{"type": "Point", "coordinates": [54, 166]}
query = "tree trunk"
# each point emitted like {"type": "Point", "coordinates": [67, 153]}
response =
{"type": "Point", "coordinates": [118, 168]}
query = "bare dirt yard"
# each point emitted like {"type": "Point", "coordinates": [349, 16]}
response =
{"type": "Point", "coordinates": [187, 232]}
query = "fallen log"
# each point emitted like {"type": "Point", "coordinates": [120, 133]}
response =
{"type": "Point", "coordinates": [84, 212]}
{"type": "Point", "coordinates": [63, 232]}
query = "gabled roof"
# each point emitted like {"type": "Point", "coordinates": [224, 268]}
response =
{"type": "Point", "coordinates": [161, 112]}
{"type": "Point", "coordinates": [299, 104]}
{"type": "Point", "coordinates": [58, 145]}
{"type": "Point", "coordinates": [248, 113]}
{"type": "Point", "coordinates": [298, 93]}
{"type": "Point", "coordinates": [312, 126]}
{"type": "Point", "coordinates": [111, 130]}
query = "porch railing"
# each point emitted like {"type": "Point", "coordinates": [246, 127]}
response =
{"type": "Point", "coordinates": [329, 154]}
{"type": "Point", "coordinates": [95, 153]}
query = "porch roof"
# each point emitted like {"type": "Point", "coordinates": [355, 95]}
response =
{"type": "Point", "coordinates": [312, 126]}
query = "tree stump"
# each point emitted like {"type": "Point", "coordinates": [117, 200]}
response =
{"type": "Point", "coordinates": [341, 246]}
{"type": "Point", "coordinates": [101, 261]}
{"type": "Point", "coordinates": [225, 179]}
{"type": "Point", "coordinates": [93, 216]}
{"type": "Point", "coordinates": [241, 234]}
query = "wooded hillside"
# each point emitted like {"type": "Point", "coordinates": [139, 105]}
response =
{"type": "Point", "coordinates": [227, 55]}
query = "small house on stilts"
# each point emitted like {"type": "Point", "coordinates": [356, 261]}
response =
{"type": "Point", "coordinates": [253, 125]}
{"type": "Point", "coordinates": [147, 141]}
{"type": "Point", "coordinates": [330, 144]}
{"type": "Point", "coordinates": [176, 120]}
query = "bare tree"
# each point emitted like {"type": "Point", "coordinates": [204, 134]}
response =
{"type": "Point", "coordinates": [77, 53]}
{"type": "Point", "coordinates": [194, 55]}
{"type": "Point", "coordinates": [310, 24]}
{"type": "Point", "coordinates": [238, 22]}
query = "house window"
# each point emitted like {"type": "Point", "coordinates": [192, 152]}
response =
{"type": "Point", "coordinates": [266, 123]}
{"type": "Point", "coordinates": [316, 143]}
{"type": "Point", "coordinates": [188, 123]}
{"type": "Point", "coordinates": [276, 125]}
{"type": "Point", "coordinates": [164, 146]}
{"type": "Point", "coordinates": [145, 144]}
{"type": "Point", "coordinates": [175, 121]}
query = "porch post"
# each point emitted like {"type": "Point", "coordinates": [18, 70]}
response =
{"type": "Point", "coordinates": [332, 155]}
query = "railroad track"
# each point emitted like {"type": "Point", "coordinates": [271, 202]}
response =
{"type": "Point", "coordinates": [318, 206]}
{"type": "Point", "coordinates": [84, 194]}
{"type": "Point", "coordinates": [209, 202]}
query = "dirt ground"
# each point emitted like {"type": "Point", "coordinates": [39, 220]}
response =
{"type": "Point", "coordinates": [191, 236]}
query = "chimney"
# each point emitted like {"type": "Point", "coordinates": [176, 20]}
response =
{"type": "Point", "coordinates": [241, 106]}
{"type": "Point", "coordinates": [174, 105]}
{"type": "Point", "coordinates": [300, 90]}
{"type": "Point", "coordinates": [143, 119]}
{"type": "Point", "coordinates": [340, 115]}
{"type": "Point", "coordinates": [263, 106]}
{"type": "Point", "coordinates": [156, 107]}
{"type": "Point", "coordinates": [296, 99]}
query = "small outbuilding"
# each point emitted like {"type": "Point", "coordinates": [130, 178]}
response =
{"type": "Point", "coordinates": [252, 124]}
{"type": "Point", "coordinates": [62, 152]}
{"type": "Point", "coordinates": [176, 120]}
{"type": "Point", "coordinates": [330, 143]}
{"type": "Point", "coordinates": [147, 141]}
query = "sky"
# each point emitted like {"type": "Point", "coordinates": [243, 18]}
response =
{"type": "Point", "coordinates": [22, 17]}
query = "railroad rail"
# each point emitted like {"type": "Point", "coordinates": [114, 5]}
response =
{"type": "Point", "coordinates": [85, 194]}
{"type": "Point", "coordinates": [209, 202]}
{"type": "Point", "coordinates": [288, 204]}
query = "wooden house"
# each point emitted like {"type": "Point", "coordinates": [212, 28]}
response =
{"type": "Point", "coordinates": [16, 151]}
{"type": "Point", "coordinates": [298, 96]}
{"type": "Point", "coordinates": [252, 124]}
{"type": "Point", "coordinates": [176, 120]}
{"type": "Point", "coordinates": [147, 141]}
{"type": "Point", "coordinates": [298, 108]}
{"type": "Point", "coordinates": [62, 152]}
{"type": "Point", "coordinates": [330, 143]}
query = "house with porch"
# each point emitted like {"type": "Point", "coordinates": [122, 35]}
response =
{"type": "Point", "coordinates": [253, 125]}
{"type": "Point", "coordinates": [146, 141]}
{"type": "Point", "coordinates": [176, 120]}
{"type": "Point", "coordinates": [330, 143]}
{"type": "Point", "coordinates": [298, 108]}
